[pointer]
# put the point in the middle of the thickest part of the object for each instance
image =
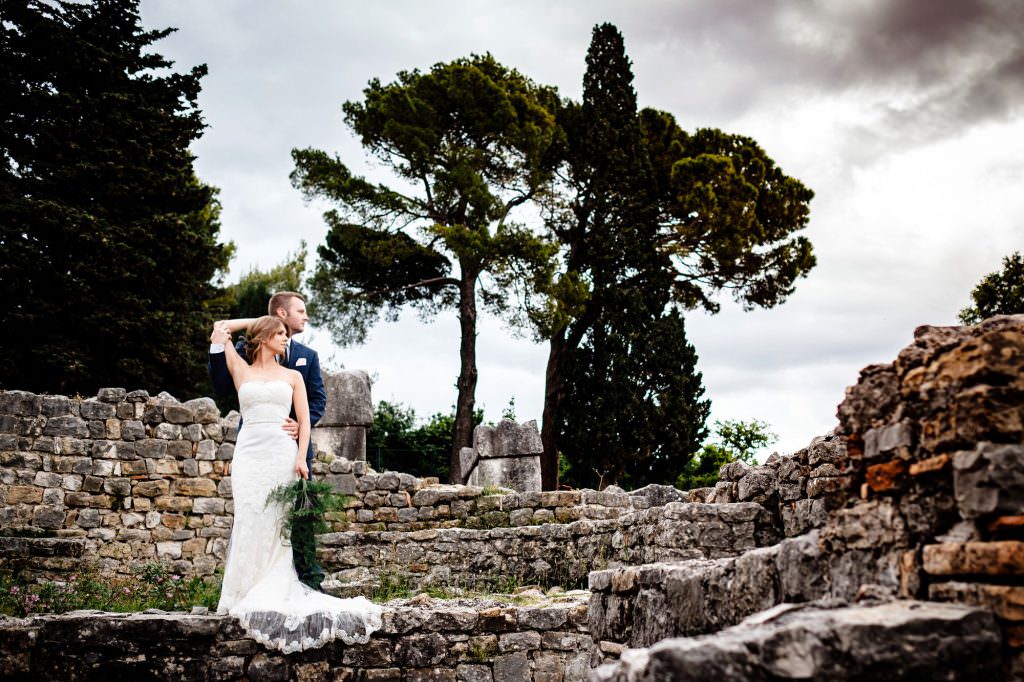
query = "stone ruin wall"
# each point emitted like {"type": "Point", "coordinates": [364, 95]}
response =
{"type": "Point", "coordinates": [917, 496]}
{"type": "Point", "coordinates": [924, 500]}
{"type": "Point", "coordinates": [124, 478]}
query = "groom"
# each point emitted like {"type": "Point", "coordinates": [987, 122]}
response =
{"type": "Point", "coordinates": [290, 307]}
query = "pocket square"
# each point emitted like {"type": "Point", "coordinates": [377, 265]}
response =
{"type": "Point", "coordinates": [300, 362]}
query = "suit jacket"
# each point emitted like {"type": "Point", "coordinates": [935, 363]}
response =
{"type": "Point", "coordinates": [301, 358]}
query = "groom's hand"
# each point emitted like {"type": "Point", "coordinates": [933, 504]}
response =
{"type": "Point", "coordinates": [291, 427]}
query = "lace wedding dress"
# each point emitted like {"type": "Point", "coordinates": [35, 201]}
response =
{"type": "Point", "coordinates": [261, 587]}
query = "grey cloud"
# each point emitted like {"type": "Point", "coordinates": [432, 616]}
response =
{"type": "Point", "coordinates": [957, 62]}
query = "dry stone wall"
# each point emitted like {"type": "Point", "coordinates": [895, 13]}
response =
{"type": "Point", "coordinates": [125, 477]}
{"type": "Point", "coordinates": [549, 554]}
{"type": "Point", "coordinates": [917, 495]}
{"type": "Point", "coordinates": [435, 640]}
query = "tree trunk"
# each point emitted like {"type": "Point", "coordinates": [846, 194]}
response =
{"type": "Point", "coordinates": [463, 431]}
{"type": "Point", "coordinates": [551, 416]}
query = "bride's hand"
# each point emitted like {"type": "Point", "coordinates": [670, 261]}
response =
{"type": "Point", "coordinates": [301, 470]}
{"type": "Point", "coordinates": [220, 333]}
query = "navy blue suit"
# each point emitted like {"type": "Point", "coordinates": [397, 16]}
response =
{"type": "Point", "coordinates": [301, 358]}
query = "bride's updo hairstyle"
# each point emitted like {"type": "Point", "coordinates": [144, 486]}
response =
{"type": "Point", "coordinates": [259, 332]}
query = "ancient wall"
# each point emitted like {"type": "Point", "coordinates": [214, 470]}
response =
{"type": "Point", "coordinates": [433, 641]}
{"type": "Point", "coordinates": [918, 495]}
{"type": "Point", "coordinates": [548, 553]}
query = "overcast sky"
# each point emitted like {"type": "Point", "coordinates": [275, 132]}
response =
{"type": "Point", "coordinates": [905, 118]}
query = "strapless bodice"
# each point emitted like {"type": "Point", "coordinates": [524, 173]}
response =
{"type": "Point", "coordinates": [264, 401]}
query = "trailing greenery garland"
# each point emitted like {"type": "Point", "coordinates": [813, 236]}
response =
{"type": "Point", "coordinates": [306, 503]}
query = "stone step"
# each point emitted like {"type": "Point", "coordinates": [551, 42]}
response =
{"type": "Point", "coordinates": [902, 640]}
{"type": "Point", "coordinates": [547, 554]}
{"type": "Point", "coordinates": [41, 556]}
{"type": "Point", "coordinates": [637, 606]}
{"type": "Point", "coordinates": [429, 640]}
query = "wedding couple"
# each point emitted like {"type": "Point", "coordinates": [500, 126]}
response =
{"type": "Point", "coordinates": [280, 394]}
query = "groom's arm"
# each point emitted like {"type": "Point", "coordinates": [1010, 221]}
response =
{"type": "Point", "coordinates": [315, 390]}
{"type": "Point", "coordinates": [220, 377]}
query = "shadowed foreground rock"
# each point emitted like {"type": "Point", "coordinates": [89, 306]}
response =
{"type": "Point", "coordinates": [895, 641]}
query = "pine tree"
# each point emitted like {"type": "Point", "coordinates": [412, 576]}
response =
{"type": "Point", "coordinates": [470, 141]}
{"type": "Point", "coordinates": [108, 242]}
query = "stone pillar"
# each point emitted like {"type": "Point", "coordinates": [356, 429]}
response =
{"type": "Point", "coordinates": [349, 413]}
{"type": "Point", "coordinates": [506, 455]}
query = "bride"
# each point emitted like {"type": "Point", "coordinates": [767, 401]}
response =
{"type": "Point", "coordinates": [260, 586]}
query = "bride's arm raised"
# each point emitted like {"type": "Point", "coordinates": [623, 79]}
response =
{"type": "Point", "coordinates": [301, 405]}
{"type": "Point", "coordinates": [239, 324]}
{"type": "Point", "coordinates": [222, 335]}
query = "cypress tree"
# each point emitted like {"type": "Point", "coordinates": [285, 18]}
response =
{"type": "Point", "coordinates": [629, 403]}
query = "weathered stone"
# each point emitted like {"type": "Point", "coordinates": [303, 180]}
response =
{"type": "Point", "coordinates": [792, 642]}
{"type": "Point", "coordinates": [22, 494]}
{"type": "Point", "coordinates": [887, 439]}
{"type": "Point", "coordinates": [886, 476]}
{"type": "Point", "coordinates": [66, 426]}
{"type": "Point", "coordinates": [1005, 601]}
{"type": "Point", "coordinates": [19, 403]}
{"type": "Point", "coordinates": [94, 409]}
{"type": "Point", "coordinates": [872, 401]}
{"type": "Point", "coordinates": [178, 413]}
{"type": "Point", "coordinates": [975, 558]}
{"type": "Point", "coordinates": [348, 399]}
{"type": "Point", "coordinates": [194, 487]}
{"type": "Point", "coordinates": [512, 668]}
{"type": "Point", "coordinates": [989, 480]}
{"type": "Point", "coordinates": [155, 488]}
{"type": "Point", "coordinates": [930, 465]}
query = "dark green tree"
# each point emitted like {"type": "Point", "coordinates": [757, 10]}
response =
{"type": "Point", "coordinates": [469, 142]}
{"type": "Point", "coordinates": [108, 242]}
{"type": "Point", "coordinates": [630, 407]}
{"type": "Point", "coordinates": [718, 213]}
{"type": "Point", "coordinates": [998, 293]}
{"type": "Point", "coordinates": [396, 443]}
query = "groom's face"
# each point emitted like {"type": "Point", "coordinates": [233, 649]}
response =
{"type": "Point", "coordinates": [295, 317]}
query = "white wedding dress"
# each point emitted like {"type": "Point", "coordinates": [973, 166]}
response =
{"type": "Point", "coordinates": [261, 587]}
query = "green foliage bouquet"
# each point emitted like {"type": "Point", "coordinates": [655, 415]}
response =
{"type": "Point", "coordinates": [307, 502]}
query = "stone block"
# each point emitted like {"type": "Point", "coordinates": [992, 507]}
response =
{"type": "Point", "coordinates": [1005, 601]}
{"type": "Point", "coordinates": [22, 494]}
{"type": "Point", "coordinates": [155, 488]}
{"type": "Point", "coordinates": [1005, 558]}
{"type": "Point", "coordinates": [507, 439]}
{"type": "Point", "coordinates": [930, 465]}
{"type": "Point", "coordinates": [69, 425]}
{"type": "Point", "coordinates": [521, 474]}
{"type": "Point", "coordinates": [54, 406]}
{"type": "Point", "coordinates": [963, 644]}
{"type": "Point", "coordinates": [348, 399]}
{"type": "Point", "coordinates": [888, 439]}
{"type": "Point", "coordinates": [194, 487]}
{"type": "Point", "coordinates": [512, 668]}
{"type": "Point", "coordinates": [348, 442]}
{"type": "Point", "coordinates": [178, 504]}
{"type": "Point", "coordinates": [886, 476]}
{"type": "Point", "coordinates": [178, 413]}
{"type": "Point", "coordinates": [94, 409]}
{"type": "Point", "coordinates": [989, 480]}
{"type": "Point", "coordinates": [19, 403]}
{"type": "Point", "coordinates": [204, 410]}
